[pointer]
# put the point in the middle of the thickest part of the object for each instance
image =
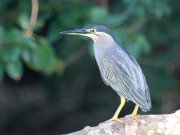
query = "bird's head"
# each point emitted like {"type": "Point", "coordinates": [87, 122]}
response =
{"type": "Point", "coordinates": [98, 33]}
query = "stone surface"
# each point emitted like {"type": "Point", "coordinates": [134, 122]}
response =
{"type": "Point", "coordinates": [166, 124]}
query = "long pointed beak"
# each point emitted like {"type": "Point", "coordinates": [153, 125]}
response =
{"type": "Point", "coordinates": [75, 32]}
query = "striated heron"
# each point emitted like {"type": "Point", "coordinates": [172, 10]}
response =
{"type": "Point", "coordinates": [118, 69]}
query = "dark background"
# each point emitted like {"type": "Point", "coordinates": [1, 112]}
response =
{"type": "Point", "coordinates": [50, 83]}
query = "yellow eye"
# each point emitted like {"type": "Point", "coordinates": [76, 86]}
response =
{"type": "Point", "coordinates": [91, 30]}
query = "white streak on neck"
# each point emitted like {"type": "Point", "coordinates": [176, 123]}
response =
{"type": "Point", "coordinates": [102, 43]}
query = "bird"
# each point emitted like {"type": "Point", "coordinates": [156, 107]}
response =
{"type": "Point", "coordinates": [118, 69]}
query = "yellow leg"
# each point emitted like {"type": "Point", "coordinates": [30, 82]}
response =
{"type": "Point", "coordinates": [115, 117]}
{"type": "Point", "coordinates": [134, 113]}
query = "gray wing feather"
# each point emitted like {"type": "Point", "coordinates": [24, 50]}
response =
{"type": "Point", "coordinates": [104, 80]}
{"type": "Point", "coordinates": [122, 72]}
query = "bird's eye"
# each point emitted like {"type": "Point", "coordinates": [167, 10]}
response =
{"type": "Point", "coordinates": [91, 30]}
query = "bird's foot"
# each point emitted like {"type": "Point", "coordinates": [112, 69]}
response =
{"type": "Point", "coordinates": [117, 120]}
{"type": "Point", "coordinates": [134, 117]}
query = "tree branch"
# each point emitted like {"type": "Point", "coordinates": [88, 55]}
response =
{"type": "Point", "coordinates": [75, 56]}
{"type": "Point", "coordinates": [33, 19]}
{"type": "Point", "coordinates": [166, 124]}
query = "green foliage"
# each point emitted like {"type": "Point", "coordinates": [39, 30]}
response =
{"type": "Point", "coordinates": [14, 70]}
{"type": "Point", "coordinates": [23, 21]}
{"type": "Point", "coordinates": [17, 49]}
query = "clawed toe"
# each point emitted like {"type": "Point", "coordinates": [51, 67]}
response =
{"type": "Point", "coordinates": [134, 117]}
{"type": "Point", "coordinates": [117, 120]}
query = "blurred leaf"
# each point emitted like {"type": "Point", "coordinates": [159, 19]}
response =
{"type": "Point", "coordinates": [26, 55]}
{"type": "Point", "coordinates": [143, 43]}
{"type": "Point", "coordinates": [10, 53]}
{"type": "Point", "coordinates": [140, 13]}
{"type": "Point", "coordinates": [14, 70]}
{"type": "Point", "coordinates": [136, 44]}
{"type": "Point", "coordinates": [23, 21]}
{"type": "Point", "coordinates": [98, 14]}
{"type": "Point", "coordinates": [46, 56]}
{"type": "Point", "coordinates": [13, 36]}
{"type": "Point", "coordinates": [161, 8]}
{"type": "Point", "coordinates": [41, 58]}
{"type": "Point", "coordinates": [28, 43]}
{"type": "Point", "coordinates": [116, 20]}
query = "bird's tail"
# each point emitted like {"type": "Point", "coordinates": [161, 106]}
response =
{"type": "Point", "coordinates": [143, 101]}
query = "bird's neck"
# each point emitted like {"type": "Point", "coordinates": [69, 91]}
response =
{"type": "Point", "coordinates": [101, 49]}
{"type": "Point", "coordinates": [103, 44]}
